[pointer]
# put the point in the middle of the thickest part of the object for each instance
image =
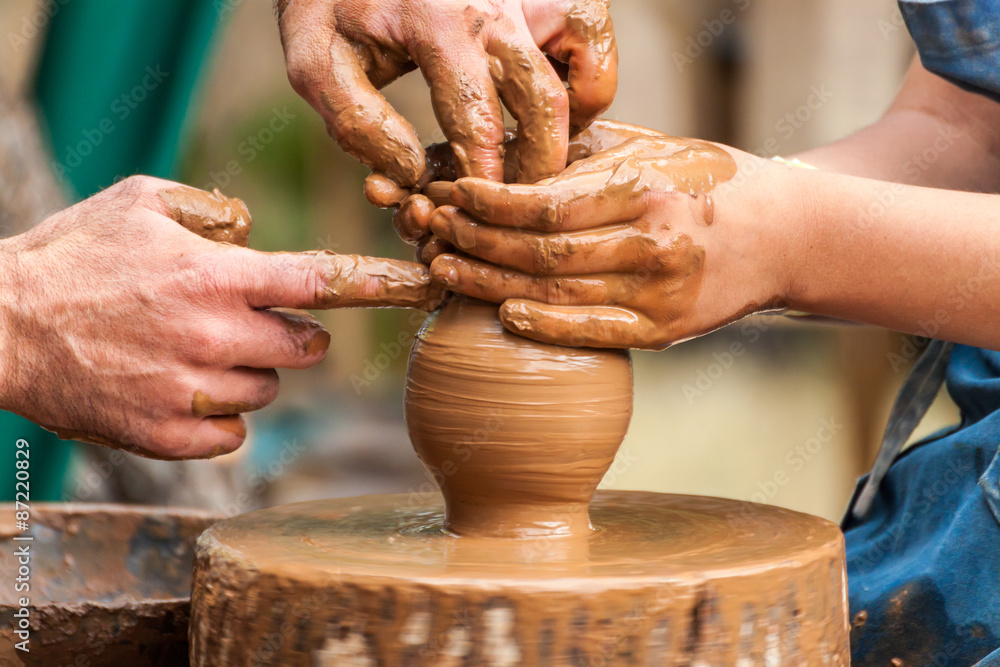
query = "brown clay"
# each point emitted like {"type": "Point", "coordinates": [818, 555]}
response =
{"type": "Point", "coordinates": [518, 567]}
{"type": "Point", "coordinates": [213, 216]}
{"type": "Point", "coordinates": [353, 281]}
{"type": "Point", "coordinates": [383, 192]}
{"type": "Point", "coordinates": [439, 192]}
{"type": "Point", "coordinates": [581, 259]}
{"type": "Point", "coordinates": [467, 108]}
{"type": "Point", "coordinates": [350, 281]}
{"type": "Point", "coordinates": [203, 405]}
{"type": "Point", "coordinates": [234, 424]}
{"type": "Point", "coordinates": [318, 343]}
{"type": "Point", "coordinates": [514, 569]}
{"type": "Point", "coordinates": [529, 97]}
{"type": "Point", "coordinates": [412, 219]}
{"type": "Point", "coordinates": [689, 165]}
{"type": "Point", "coordinates": [361, 121]}
{"type": "Point", "coordinates": [433, 248]}
{"type": "Point", "coordinates": [660, 580]}
{"type": "Point", "coordinates": [518, 434]}
{"type": "Point", "coordinates": [109, 585]}
{"type": "Point", "coordinates": [412, 216]}
{"type": "Point", "coordinates": [590, 49]}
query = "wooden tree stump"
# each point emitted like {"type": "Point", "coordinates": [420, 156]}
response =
{"type": "Point", "coordinates": [517, 566]}
{"type": "Point", "coordinates": [662, 580]}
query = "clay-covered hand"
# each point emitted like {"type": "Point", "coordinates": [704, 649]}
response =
{"type": "Point", "coordinates": [648, 241]}
{"type": "Point", "coordinates": [414, 207]}
{"type": "Point", "coordinates": [474, 54]}
{"type": "Point", "coordinates": [119, 326]}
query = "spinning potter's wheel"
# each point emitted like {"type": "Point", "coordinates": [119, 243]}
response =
{"type": "Point", "coordinates": [515, 565]}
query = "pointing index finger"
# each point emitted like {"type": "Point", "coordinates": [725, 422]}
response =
{"type": "Point", "coordinates": [353, 281]}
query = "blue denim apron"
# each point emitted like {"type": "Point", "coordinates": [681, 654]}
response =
{"type": "Point", "coordinates": [923, 562]}
{"type": "Point", "coordinates": [923, 540]}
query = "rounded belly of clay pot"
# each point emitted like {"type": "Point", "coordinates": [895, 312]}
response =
{"type": "Point", "coordinates": [517, 434]}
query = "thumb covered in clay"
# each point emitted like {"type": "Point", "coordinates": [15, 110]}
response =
{"type": "Point", "coordinates": [415, 207]}
{"type": "Point", "coordinates": [322, 280]}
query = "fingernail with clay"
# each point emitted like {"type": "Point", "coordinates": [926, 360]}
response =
{"type": "Point", "coordinates": [460, 192]}
{"type": "Point", "coordinates": [235, 425]}
{"type": "Point", "coordinates": [441, 222]}
{"type": "Point", "coordinates": [318, 343]}
{"type": "Point", "coordinates": [515, 316]}
{"type": "Point", "coordinates": [465, 235]}
{"type": "Point", "coordinates": [439, 192]}
{"type": "Point", "coordinates": [383, 192]}
{"type": "Point", "coordinates": [444, 273]}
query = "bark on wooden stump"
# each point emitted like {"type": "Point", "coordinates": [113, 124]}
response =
{"type": "Point", "coordinates": [662, 580]}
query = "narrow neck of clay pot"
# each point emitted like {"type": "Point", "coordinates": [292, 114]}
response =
{"type": "Point", "coordinates": [515, 520]}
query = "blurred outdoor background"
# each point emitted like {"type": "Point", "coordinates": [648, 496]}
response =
{"type": "Point", "coordinates": [766, 410]}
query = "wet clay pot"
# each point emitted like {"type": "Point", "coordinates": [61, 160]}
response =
{"type": "Point", "coordinates": [517, 567]}
{"type": "Point", "coordinates": [109, 584]}
{"type": "Point", "coordinates": [517, 434]}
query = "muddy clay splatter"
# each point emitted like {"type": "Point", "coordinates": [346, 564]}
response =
{"type": "Point", "coordinates": [212, 216]}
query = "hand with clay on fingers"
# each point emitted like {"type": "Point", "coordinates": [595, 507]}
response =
{"type": "Point", "coordinates": [412, 218]}
{"type": "Point", "coordinates": [644, 241]}
{"type": "Point", "coordinates": [124, 328]}
{"type": "Point", "coordinates": [474, 54]}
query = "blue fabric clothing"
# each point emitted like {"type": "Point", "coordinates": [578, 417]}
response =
{"type": "Point", "coordinates": [924, 562]}
{"type": "Point", "coordinates": [958, 40]}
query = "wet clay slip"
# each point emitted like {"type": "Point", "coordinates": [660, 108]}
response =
{"type": "Point", "coordinates": [213, 215]}
{"type": "Point", "coordinates": [517, 434]}
{"type": "Point", "coordinates": [517, 566]}
{"type": "Point", "coordinates": [658, 580]}
{"type": "Point", "coordinates": [108, 584]}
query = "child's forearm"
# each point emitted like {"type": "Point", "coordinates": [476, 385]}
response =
{"type": "Point", "coordinates": [918, 260]}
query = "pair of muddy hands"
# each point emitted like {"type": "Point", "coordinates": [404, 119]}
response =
{"type": "Point", "coordinates": [612, 252]}
{"type": "Point", "coordinates": [474, 55]}
{"type": "Point", "coordinates": [120, 327]}
{"type": "Point", "coordinates": [605, 243]}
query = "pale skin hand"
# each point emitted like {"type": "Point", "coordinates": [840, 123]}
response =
{"type": "Point", "coordinates": [474, 54]}
{"type": "Point", "coordinates": [121, 327]}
